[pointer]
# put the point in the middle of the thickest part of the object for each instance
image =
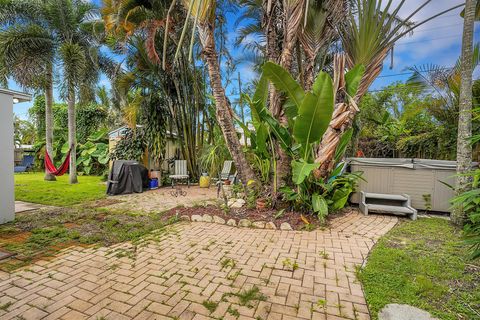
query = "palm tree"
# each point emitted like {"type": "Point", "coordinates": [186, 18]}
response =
{"type": "Point", "coordinates": [77, 50]}
{"type": "Point", "coordinates": [318, 32]}
{"type": "Point", "coordinates": [464, 148]}
{"type": "Point", "coordinates": [203, 13]}
{"type": "Point", "coordinates": [369, 33]}
{"type": "Point", "coordinates": [27, 53]}
{"type": "Point", "coordinates": [40, 35]}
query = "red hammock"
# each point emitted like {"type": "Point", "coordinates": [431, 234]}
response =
{"type": "Point", "coordinates": [51, 167]}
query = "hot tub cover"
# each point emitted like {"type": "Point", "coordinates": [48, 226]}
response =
{"type": "Point", "coordinates": [412, 163]}
{"type": "Point", "coordinates": [127, 177]}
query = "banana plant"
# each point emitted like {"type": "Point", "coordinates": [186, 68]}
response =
{"type": "Point", "coordinates": [309, 114]}
{"type": "Point", "coordinates": [93, 154]}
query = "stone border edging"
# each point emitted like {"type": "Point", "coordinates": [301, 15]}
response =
{"type": "Point", "coordinates": [242, 223]}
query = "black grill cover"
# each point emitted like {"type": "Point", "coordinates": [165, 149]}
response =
{"type": "Point", "coordinates": [127, 177]}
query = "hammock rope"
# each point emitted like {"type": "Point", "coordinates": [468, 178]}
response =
{"type": "Point", "coordinates": [60, 171]}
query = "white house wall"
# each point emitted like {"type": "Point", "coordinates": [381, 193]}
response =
{"type": "Point", "coordinates": [7, 196]}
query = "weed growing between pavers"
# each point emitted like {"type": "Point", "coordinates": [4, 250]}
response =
{"type": "Point", "coordinates": [247, 296]}
{"type": "Point", "coordinates": [42, 233]}
{"type": "Point", "coordinates": [210, 305]}
{"type": "Point", "coordinates": [425, 264]}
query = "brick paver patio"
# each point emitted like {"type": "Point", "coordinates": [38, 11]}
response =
{"type": "Point", "coordinates": [302, 275]}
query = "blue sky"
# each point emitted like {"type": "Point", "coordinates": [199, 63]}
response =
{"type": "Point", "coordinates": [437, 42]}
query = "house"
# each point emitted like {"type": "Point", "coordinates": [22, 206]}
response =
{"type": "Point", "coordinates": [172, 149]}
{"type": "Point", "coordinates": [19, 152]}
{"type": "Point", "coordinates": [7, 185]}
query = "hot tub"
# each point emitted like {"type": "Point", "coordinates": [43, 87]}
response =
{"type": "Point", "coordinates": [424, 180]}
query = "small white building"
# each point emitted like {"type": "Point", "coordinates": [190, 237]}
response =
{"type": "Point", "coordinates": [7, 183]}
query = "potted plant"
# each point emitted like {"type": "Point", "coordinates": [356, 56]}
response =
{"type": "Point", "coordinates": [261, 203]}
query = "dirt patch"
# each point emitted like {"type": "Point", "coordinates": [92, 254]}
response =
{"type": "Point", "coordinates": [295, 219]}
{"type": "Point", "coordinates": [16, 238]}
{"type": "Point", "coordinates": [104, 203]}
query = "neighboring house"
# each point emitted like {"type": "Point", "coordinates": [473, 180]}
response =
{"type": "Point", "coordinates": [7, 185]}
{"type": "Point", "coordinates": [20, 150]}
{"type": "Point", "coordinates": [241, 134]}
{"type": "Point", "coordinates": [172, 149]}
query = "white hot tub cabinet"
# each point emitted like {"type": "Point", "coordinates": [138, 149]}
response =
{"type": "Point", "coordinates": [423, 180]}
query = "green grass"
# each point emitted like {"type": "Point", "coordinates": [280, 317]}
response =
{"type": "Point", "coordinates": [423, 263]}
{"type": "Point", "coordinates": [31, 187]}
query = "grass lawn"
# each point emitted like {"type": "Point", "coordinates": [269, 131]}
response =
{"type": "Point", "coordinates": [31, 187]}
{"type": "Point", "coordinates": [423, 263]}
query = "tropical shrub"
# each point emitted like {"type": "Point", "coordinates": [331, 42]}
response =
{"type": "Point", "coordinates": [212, 156]}
{"type": "Point", "coordinates": [131, 146]}
{"type": "Point", "coordinates": [93, 155]}
{"type": "Point", "coordinates": [309, 114]}
{"type": "Point", "coordinates": [469, 202]}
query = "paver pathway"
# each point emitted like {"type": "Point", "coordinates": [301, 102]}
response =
{"type": "Point", "coordinates": [302, 275]}
{"type": "Point", "coordinates": [22, 206]}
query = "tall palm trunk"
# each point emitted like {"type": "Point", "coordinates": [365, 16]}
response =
{"type": "Point", "coordinates": [72, 139]}
{"type": "Point", "coordinates": [279, 14]}
{"type": "Point", "coordinates": [345, 111]}
{"type": "Point", "coordinates": [224, 112]}
{"type": "Point", "coordinates": [49, 119]}
{"type": "Point", "coordinates": [464, 148]}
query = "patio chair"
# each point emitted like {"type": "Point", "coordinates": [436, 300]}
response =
{"type": "Point", "coordinates": [227, 168]}
{"type": "Point", "coordinates": [225, 175]}
{"type": "Point", "coordinates": [181, 172]}
{"type": "Point", "coordinates": [26, 165]}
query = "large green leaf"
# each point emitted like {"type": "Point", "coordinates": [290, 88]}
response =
{"type": "Point", "coordinates": [285, 83]}
{"type": "Point", "coordinates": [301, 170]}
{"type": "Point", "coordinates": [319, 205]}
{"type": "Point", "coordinates": [65, 148]}
{"type": "Point", "coordinates": [261, 138]}
{"type": "Point", "coordinates": [343, 144]}
{"type": "Point", "coordinates": [103, 159]}
{"type": "Point", "coordinates": [340, 197]}
{"type": "Point", "coordinates": [315, 112]}
{"type": "Point", "coordinates": [353, 78]}
{"type": "Point", "coordinates": [99, 135]}
{"type": "Point", "coordinates": [261, 91]}
{"type": "Point", "coordinates": [280, 132]}
{"type": "Point", "coordinates": [101, 149]}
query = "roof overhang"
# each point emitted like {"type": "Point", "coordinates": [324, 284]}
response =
{"type": "Point", "coordinates": [17, 95]}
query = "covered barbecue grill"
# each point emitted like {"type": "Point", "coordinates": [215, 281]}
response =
{"type": "Point", "coordinates": [127, 177]}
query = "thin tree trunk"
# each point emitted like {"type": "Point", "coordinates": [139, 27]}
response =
{"type": "Point", "coordinates": [72, 139]}
{"type": "Point", "coordinates": [49, 120]}
{"type": "Point", "coordinates": [223, 108]}
{"type": "Point", "coordinates": [464, 148]}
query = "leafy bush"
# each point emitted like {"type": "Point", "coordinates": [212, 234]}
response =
{"type": "Point", "coordinates": [93, 154]}
{"type": "Point", "coordinates": [130, 147]}
{"type": "Point", "coordinates": [469, 202]}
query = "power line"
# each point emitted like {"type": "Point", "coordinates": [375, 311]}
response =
{"type": "Point", "coordinates": [429, 40]}
{"type": "Point", "coordinates": [438, 27]}
{"type": "Point", "coordinates": [412, 72]}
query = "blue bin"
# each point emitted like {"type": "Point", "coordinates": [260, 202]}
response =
{"type": "Point", "coordinates": [153, 183]}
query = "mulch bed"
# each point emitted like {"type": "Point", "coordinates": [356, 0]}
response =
{"type": "Point", "coordinates": [267, 215]}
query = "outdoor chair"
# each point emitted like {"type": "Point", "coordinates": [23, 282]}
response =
{"type": "Point", "coordinates": [26, 165]}
{"type": "Point", "coordinates": [227, 168]}
{"type": "Point", "coordinates": [181, 172]}
{"type": "Point", "coordinates": [225, 175]}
